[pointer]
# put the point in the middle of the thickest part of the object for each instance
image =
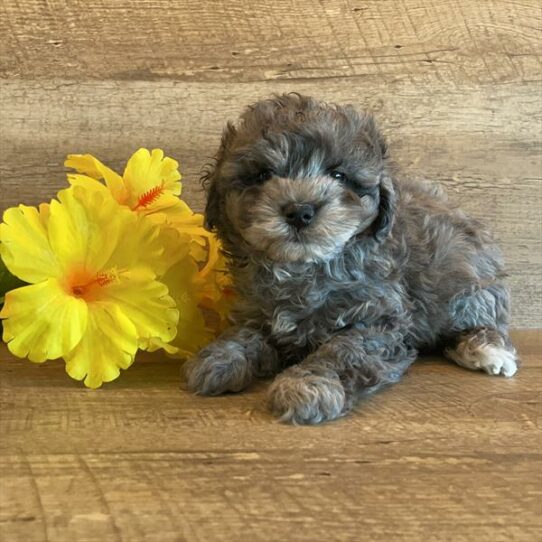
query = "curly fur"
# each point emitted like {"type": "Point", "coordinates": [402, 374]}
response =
{"type": "Point", "coordinates": [386, 268]}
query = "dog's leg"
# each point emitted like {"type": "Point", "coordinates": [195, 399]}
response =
{"type": "Point", "coordinates": [327, 383]}
{"type": "Point", "coordinates": [481, 341]}
{"type": "Point", "coordinates": [484, 349]}
{"type": "Point", "coordinates": [231, 363]}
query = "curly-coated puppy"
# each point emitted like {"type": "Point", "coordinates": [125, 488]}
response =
{"type": "Point", "coordinates": [343, 271]}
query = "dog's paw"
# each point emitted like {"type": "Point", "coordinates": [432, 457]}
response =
{"type": "Point", "coordinates": [493, 359]}
{"type": "Point", "coordinates": [217, 370]}
{"type": "Point", "coordinates": [301, 397]}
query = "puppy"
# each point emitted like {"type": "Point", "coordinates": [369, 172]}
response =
{"type": "Point", "coordinates": [343, 271]}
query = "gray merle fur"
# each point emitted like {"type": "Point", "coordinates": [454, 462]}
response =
{"type": "Point", "coordinates": [388, 267]}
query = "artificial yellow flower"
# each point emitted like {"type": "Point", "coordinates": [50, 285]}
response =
{"type": "Point", "coordinates": [93, 296]}
{"type": "Point", "coordinates": [214, 285]}
{"type": "Point", "coordinates": [181, 280]}
{"type": "Point", "coordinates": [199, 283]}
{"type": "Point", "coordinates": [150, 186]}
{"type": "Point", "coordinates": [189, 264]}
{"type": "Point", "coordinates": [150, 183]}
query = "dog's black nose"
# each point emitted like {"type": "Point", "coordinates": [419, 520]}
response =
{"type": "Point", "coordinates": [299, 215]}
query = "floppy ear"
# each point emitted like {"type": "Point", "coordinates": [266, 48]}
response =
{"type": "Point", "coordinates": [386, 213]}
{"type": "Point", "coordinates": [212, 207]}
{"type": "Point", "coordinates": [211, 176]}
{"type": "Point", "coordinates": [388, 198]}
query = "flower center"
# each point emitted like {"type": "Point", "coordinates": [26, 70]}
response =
{"type": "Point", "coordinates": [88, 287]}
{"type": "Point", "coordinates": [149, 197]}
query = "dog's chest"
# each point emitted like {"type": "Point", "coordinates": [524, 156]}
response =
{"type": "Point", "coordinates": [302, 310]}
{"type": "Point", "coordinates": [300, 323]}
{"type": "Point", "coordinates": [296, 314]}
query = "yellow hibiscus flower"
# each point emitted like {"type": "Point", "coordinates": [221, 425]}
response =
{"type": "Point", "coordinates": [150, 183]}
{"type": "Point", "coordinates": [181, 280]}
{"type": "Point", "coordinates": [192, 266]}
{"type": "Point", "coordinates": [150, 186]}
{"type": "Point", "coordinates": [93, 296]}
{"type": "Point", "coordinates": [198, 281]}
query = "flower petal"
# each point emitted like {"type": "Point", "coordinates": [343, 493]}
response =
{"type": "Point", "coordinates": [214, 285]}
{"type": "Point", "coordinates": [91, 166]}
{"type": "Point", "coordinates": [44, 214]}
{"type": "Point", "coordinates": [85, 227]}
{"type": "Point", "coordinates": [140, 244]}
{"type": "Point", "coordinates": [213, 256]}
{"type": "Point", "coordinates": [76, 179]}
{"type": "Point", "coordinates": [175, 246]}
{"type": "Point", "coordinates": [193, 332]}
{"type": "Point", "coordinates": [146, 303]}
{"type": "Point", "coordinates": [154, 344]}
{"type": "Point", "coordinates": [110, 343]}
{"type": "Point", "coordinates": [185, 220]}
{"type": "Point", "coordinates": [24, 244]}
{"type": "Point", "coordinates": [42, 321]}
{"type": "Point", "coordinates": [146, 171]}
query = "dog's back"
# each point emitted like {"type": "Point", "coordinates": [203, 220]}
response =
{"type": "Point", "coordinates": [452, 261]}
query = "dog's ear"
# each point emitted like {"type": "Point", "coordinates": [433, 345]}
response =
{"type": "Point", "coordinates": [212, 206]}
{"type": "Point", "coordinates": [386, 212]}
{"type": "Point", "coordinates": [210, 178]}
{"type": "Point", "coordinates": [388, 198]}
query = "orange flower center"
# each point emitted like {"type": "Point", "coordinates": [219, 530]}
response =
{"type": "Point", "coordinates": [149, 197]}
{"type": "Point", "coordinates": [86, 286]}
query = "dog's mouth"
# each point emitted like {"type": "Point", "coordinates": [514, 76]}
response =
{"type": "Point", "coordinates": [297, 236]}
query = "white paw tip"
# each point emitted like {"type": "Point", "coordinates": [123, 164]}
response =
{"type": "Point", "coordinates": [494, 360]}
{"type": "Point", "coordinates": [499, 360]}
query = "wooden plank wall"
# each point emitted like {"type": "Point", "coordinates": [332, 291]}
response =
{"type": "Point", "coordinates": [455, 84]}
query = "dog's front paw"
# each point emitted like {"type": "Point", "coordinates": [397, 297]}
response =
{"type": "Point", "coordinates": [301, 397]}
{"type": "Point", "coordinates": [218, 369]}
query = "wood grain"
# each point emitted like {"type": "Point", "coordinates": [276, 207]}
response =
{"type": "Point", "coordinates": [447, 454]}
{"type": "Point", "coordinates": [456, 86]}
{"type": "Point", "coordinates": [482, 143]}
{"type": "Point", "coordinates": [479, 42]}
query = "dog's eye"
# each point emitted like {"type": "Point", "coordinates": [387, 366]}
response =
{"type": "Point", "coordinates": [263, 176]}
{"type": "Point", "coordinates": [338, 175]}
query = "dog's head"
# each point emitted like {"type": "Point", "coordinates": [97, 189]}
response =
{"type": "Point", "coordinates": [296, 179]}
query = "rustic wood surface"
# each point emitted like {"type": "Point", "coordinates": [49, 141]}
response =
{"type": "Point", "coordinates": [447, 454]}
{"type": "Point", "coordinates": [489, 41]}
{"type": "Point", "coordinates": [455, 85]}
{"type": "Point", "coordinates": [479, 142]}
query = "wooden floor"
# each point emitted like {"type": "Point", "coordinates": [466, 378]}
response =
{"type": "Point", "coordinates": [447, 454]}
